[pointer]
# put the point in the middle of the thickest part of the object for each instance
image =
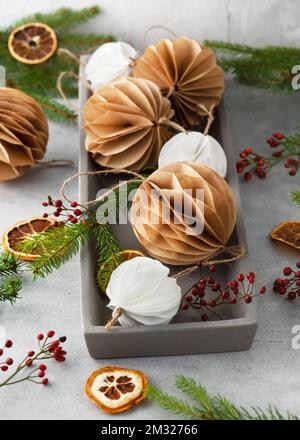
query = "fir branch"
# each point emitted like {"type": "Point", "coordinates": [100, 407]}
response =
{"type": "Point", "coordinates": [296, 197]}
{"type": "Point", "coordinates": [9, 264]}
{"type": "Point", "coordinates": [10, 288]}
{"type": "Point", "coordinates": [211, 407]}
{"type": "Point", "coordinates": [269, 68]}
{"type": "Point", "coordinates": [54, 110]}
{"type": "Point", "coordinates": [110, 256]}
{"type": "Point", "coordinates": [61, 19]}
{"type": "Point", "coordinates": [58, 244]}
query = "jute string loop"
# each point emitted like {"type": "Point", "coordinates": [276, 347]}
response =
{"type": "Point", "coordinates": [99, 172]}
{"type": "Point", "coordinates": [153, 28]}
{"type": "Point", "coordinates": [166, 121]}
{"type": "Point", "coordinates": [115, 316]}
{"type": "Point", "coordinates": [234, 253]}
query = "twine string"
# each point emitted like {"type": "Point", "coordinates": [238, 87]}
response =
{"type": "Point", "coordinates": [235, 253]}
{"type": "Point", "coordinates": [166, 121]}
{"type": "Point", "coordinates": [153, 28]}
{"type": "Point", "coordinates": [99, 172]}
{"type": "Point", "coordinates": [210, 114]}
{"type": "Point", "coordinates": [115, 316]}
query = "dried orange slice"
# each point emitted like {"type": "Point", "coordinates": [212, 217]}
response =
{"type": "Point", "coordinates": [32, 43]}
{"type": "Point", "coordinates": [288, 232]}
{"type": "Point", "coordinates": [115, 390]}
{"type": "Point", "coordinates": [105, 270]}
{"type": "Point", "coordinates": [14, 235]}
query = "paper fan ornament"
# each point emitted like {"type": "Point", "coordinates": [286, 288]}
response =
{"type": "Point", "coordinates": [197, 147]}
{"type": "Point", "coordinates": [187, 73]}
{"type": "Point", "coordinates": [183, 213]}
{"type": "Point", "coordinates": [109, 62]}
{"type": "Point", "coordinates": [23, 133]}
{"type": "Point", "coordinates": [126, 124]}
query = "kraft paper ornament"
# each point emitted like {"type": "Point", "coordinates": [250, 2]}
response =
{"type": "Point", "coordinates": [110, 62]}
{"type": "Point", "coordinates": [175, 221]}
{"type": "Point", "coordinates": [196, 147]}
{"type": "Point", "coordinates": [187, 73]}
{"type": "Point", "coordinates": [23, 133]}
{"type": "Point", "coordinates": [142, 292]}
{"type": "Point", "coordinates": [126, 123]}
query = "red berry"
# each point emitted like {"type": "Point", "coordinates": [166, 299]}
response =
{"type": "Point", "coordinates": [203, 302]}
{"type": "Point", "coordinates": [9, 361]}
{"type": "Point", "coordinates": [243, 155]}
{"type": "Point", "coordinates": [45, 215]}
{"type": "Point", "coordinates": [247, 299]}
{"type": "Point", "coordinates": [8, 343]}
{"type": "Point", "coordinates": [58, 203]}
{"type": "Point", "coordinates": [298, 264]}
{"type": "Point", "coordinates": [204, 317]}
{"type": "Point", "coordinates": [195, 291]}
{"type": "Point", "coordinates": [216, 287]}
{"type": "Point", "coordinates": [212, 303]}
{"type": "Point", "coordinates": [41, 373]}
{"type": "Point", "coordinates": [277, 153]}
{"type": "Point", "coordinates": [262, 290]}
{"type": "Point", "coordinates": [45, 204]}
{"type": "Point", "coordinates": [51, 333]}
{"type": "Point", "coordinates": [275, 144]}
{"type": "Point", "coordinates": [292, 172]}
{"type": "Point", "coordinates": [225, 294]}
{"type": "Point", "coordinates": [240, 277]}
{"type": "Point", "coordinates": [239, 169]}
{"type": "Point", "coordinates": [247, 176]}
{"type": "Point", "coordinates": [70, 217]}
{"type": "Point", "coordinates": [292, 295]}
{"type": "Point", "coordinates": [261, 162]}
{"type": "Point", "coordinates": [185, 307]}
{"type": "Point", "coordinates": [211, 280]}
{"type": "Point", "coordinates": [4, 368]}
{"type": "Point", "coordinates": [278, 135]}
{"type": "Point", "coordinates": [45, 381]}
{"type": "Point", "coordinates": [77, 212]}
{"type": "Point", "coordinates": [287, 271]}
{"type": "Point", "coordinates": [212, 269]}
{"type": "Point", "coordinates": [28, 362]}
{"type": "Point", "coordinates": [74, 220]}
{"type": "Point", "coordinates": [282, 291]}
{"type": "Point", "coordinates": [74, 204]}
{"type": "Point", "coordinates": [248, 150]}
{"type": "Point", "coordinates": [56, 213]}
{"type": "Point", "coordinates": [232, 300]}
{"type": "Point", "coordinates": [40, 337]}
{"type": "Point", "coordinates": [43, 367]}
{"type": "Point", "coordinates": [297, 274]}
{"type": "Point", "coordinates": [1, 351]}
{"type": "Point", "coordinates": [30, 354]}
{"type": "Point", "coordinates": [189, 298]}
{"type": "Point", "coordinates": [201, 293]}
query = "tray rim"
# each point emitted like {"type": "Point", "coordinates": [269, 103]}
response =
{"type": "Point", "coordinates": [250, 317]}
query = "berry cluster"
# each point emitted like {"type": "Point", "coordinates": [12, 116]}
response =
{"type": "Point", "coordinates": [72, 214]}
{"type": "Point", "coordinates": [290, 284]}
{"type": "Point", "coordinates": [252, 163]}
{"type": "Point", "coordinates": [240, 289]}
{"type": "Point", "coordinates": [47, 350]}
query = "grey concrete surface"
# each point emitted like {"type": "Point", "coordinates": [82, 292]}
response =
{"type": "Point", "coordinates": [268, 373]}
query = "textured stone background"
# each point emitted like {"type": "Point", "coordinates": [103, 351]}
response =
{"type": "Point", "coordinates": [268, 373]}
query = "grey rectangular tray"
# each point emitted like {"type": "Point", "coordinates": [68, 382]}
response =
{"type": "Point", "coordinates": [186, 334]}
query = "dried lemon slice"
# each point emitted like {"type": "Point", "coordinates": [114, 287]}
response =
{"type": "Point", "coordinates": [288, 232]}
{"type": "Point", "coordinates": [115, 390]}
{"type": "Point", "coordinates": [15, 234]}
{"type": "Point", "coordinates": [32, 43]}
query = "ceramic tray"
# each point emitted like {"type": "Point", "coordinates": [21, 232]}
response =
{"type": "Point", "coordinates": [186, 334]}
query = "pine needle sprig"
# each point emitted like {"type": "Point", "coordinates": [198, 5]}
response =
{"type": "Point", "coordinates": [268, 68]}
{"type": "Point", "coordinates": [9, 264]}
{"type": "Point", "coordinates": [61, 19]}
{"type": "Point", "coordinates": [296, 197]}
{"type": "Point", "coordinates": [10, 288]}
{"type": "Point", "coordinates": [210, 407]}
{"type": "Point", "coordinates": [58, 244]}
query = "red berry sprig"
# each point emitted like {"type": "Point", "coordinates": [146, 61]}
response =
{"type": "Point", "coordinates": [207, 294]}
{"type": "Point", "coordinates": [73, 213]}
{"type": "Point", "coordinates": [46, 350]}
{"type": "Point", "coordinates": [289, 285]}
{"type": "Point", "coordinates": [254, 164]}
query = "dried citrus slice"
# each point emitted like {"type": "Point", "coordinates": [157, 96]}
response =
{"type": "Point", "coordinates": [115, 390]}
{"type": "Point", "coordinates": [105, 270]}
{"type": "Point", "coordinates": [32, 43]}
{"type": "Point", "coordinates": [288, 232]}
{"type": "Point", "coordinates": [14, 235]}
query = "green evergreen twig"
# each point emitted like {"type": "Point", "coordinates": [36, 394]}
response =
{"type": "Point", "coordinates": [10, 281]}
{"type": "Point", "coordinates": [210, 407]}
{"type": "Point", "coordinates": [268, 68]}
